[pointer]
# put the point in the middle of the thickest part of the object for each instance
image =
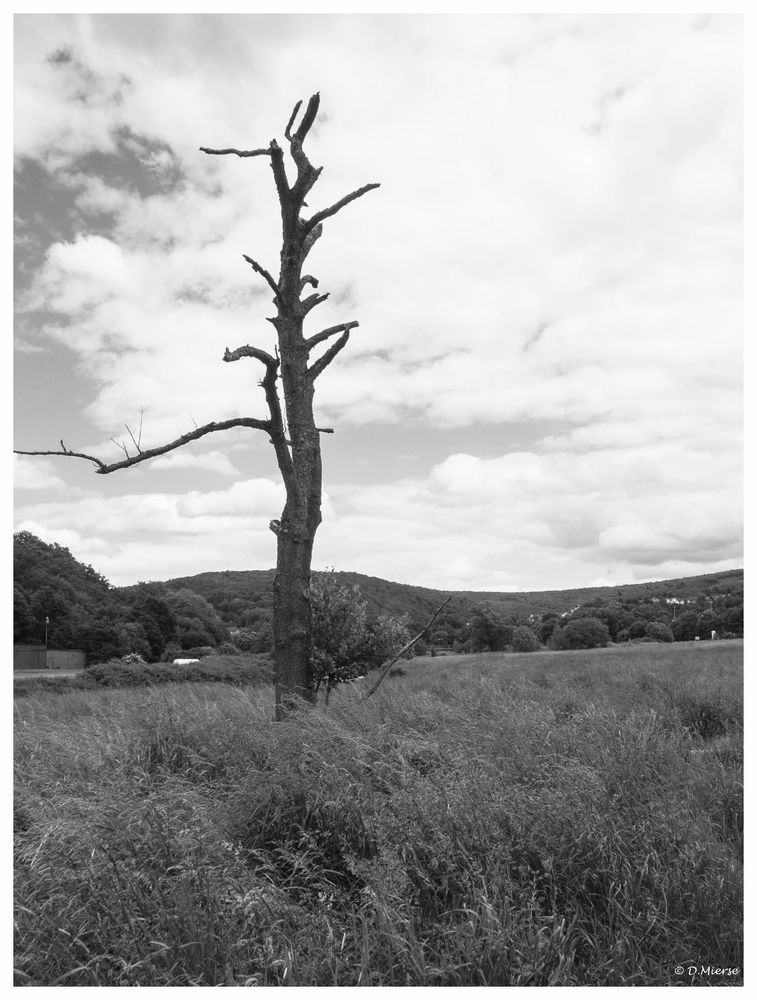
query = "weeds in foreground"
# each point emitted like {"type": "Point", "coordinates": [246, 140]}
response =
{"type": "Point", "coordinates": [549, 819]}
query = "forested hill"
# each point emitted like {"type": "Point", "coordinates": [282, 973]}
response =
{"type": "Point", "coordinates": [233, 592]}
{"type": "Point", "coordinates": [232, 610]}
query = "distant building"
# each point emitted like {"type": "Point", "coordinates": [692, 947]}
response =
{"type": "Point", "coordinates": [37, 657]}
{"type": "Point", "coordinates": [28, 657]}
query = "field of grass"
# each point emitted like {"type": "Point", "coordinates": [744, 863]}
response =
{"type": "Point", "coordinates": [535, 819]}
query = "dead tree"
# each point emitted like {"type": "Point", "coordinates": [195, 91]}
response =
{"type": "Point", "coordinates": [296, 442]}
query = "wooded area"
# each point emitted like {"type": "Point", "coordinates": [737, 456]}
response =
{"type": "Point", "coordinates": [232, 611]}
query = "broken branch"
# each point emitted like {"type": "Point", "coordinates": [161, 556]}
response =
{"type": "Point", "coordinates": [308, 118]}
{"type": "Point", "coordinates": [328, 356]}
{"type": "Point", "coordinates": [68, 453]}
{"type": "Point", "coordinates": [311, 302]}
{"type": "Point", "coordinates": [236, 152]}
{"type": "Point", "coordinates": [329, 332]}
{"type": "Point", "coordinates": [312, 237]}
{"type": "Point", "coordinates": [262, 271]}
{"type": "Point", "coordinates": [104, 468]}
{"type": "Point", "coordinates": [282, 185]}
{"type": "Point", "coordinates": [251, 352]}
{"type": "Point", "coordinates": [288, 129]}
{"type": "Point", "coordinates": [326, 213]}
{"type": "Point", "coordinates": [405, 648]}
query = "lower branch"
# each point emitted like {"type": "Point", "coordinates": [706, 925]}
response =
{"type": "Point", "coordinates": [103, 468]}
{"type": "Point", "coordinates": [405, 648]}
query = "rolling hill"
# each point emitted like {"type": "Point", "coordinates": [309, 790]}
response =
{"type": "Point", "coordinates": [232, 591]}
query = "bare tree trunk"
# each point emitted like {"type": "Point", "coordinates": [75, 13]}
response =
{"type": "Point", "coordinates": [296, 440]}
{"type": "Point", "coordinates": [292, 616]}
{"type": "Point", "coordinates": [292, 628]}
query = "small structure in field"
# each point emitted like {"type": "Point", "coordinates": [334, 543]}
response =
{"type": "Point", "coordinates": [35, 656]}
{"type": "Point", "coordinates": [181, 663]}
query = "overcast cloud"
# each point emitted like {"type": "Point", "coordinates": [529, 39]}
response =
{"type": "Point", "coordinates": [545, 388]}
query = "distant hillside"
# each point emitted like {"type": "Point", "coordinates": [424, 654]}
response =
{"type": "Point", "coordinates": [54, 594]}
{"type": "Point", "coordinates": [51, 586]}
{"type": "Point", "coordinates": [233, 592]}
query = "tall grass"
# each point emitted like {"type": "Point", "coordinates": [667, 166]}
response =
{"type": "Point", "coordinates": [543, 819]}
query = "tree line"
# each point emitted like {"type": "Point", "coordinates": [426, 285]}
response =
{"type": "Point", "coordinates": [355, 626]}
{"type": "Point", "coordinates": [57, 598]}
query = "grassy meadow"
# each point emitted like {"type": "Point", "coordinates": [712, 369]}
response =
{"type": "Point", "coordinates": [535, 819]}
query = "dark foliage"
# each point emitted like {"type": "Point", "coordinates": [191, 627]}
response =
{"type": "Point", "coordinates": [238, 670]}
{"type": "Point", "coordinates": [524, 640]}
{"type": "Point", "coordinates": [162, 620]}
{"type": "Point", "coordinates": [581, 633]}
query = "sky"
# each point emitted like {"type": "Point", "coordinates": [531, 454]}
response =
{"type": "Point", "coordinates": [545, 389]}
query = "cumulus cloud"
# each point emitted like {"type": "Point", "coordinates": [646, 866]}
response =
{"type": "Point", "coordinates": [557, 238]}
{"type": "Point", "coordinates": [518, 521]}
{"type": "Point", "coordinates": [212, 461]}
{"type": "Point", "coordinates": [34, 474]}
{"type": "Point", "coordinates": [156, 535]}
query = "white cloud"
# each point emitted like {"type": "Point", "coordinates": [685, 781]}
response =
{"type": "Point", "coordinates": [141, 536]}
{"type": "Point", "coordinates": [557, 237]}
{"type": "Point", "coordinates": [212, 461]}
{"type": "Point", "coordinates": [35, 474]}
{"type": "Point", "coordinates": [525, 520]}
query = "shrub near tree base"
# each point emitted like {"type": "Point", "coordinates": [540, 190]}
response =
{"type": "Point", "coordinates": [345, 644]}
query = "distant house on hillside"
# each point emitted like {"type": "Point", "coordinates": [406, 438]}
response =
{"type": "Point", "coordinates": [27, 656]}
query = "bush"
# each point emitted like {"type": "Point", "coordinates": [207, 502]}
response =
{"type": "Point", "coordinates": [254, 640]}
{"type": "Point", "coordinates": [229, 669]}
{"type": "Point", "coordinates": [623, 636]}
{"type": "Point", "coordinates": [488, 631]}
{"type": "Point", "coordinates": [638, 629]}
{"type": "Point", "coordinates": [171, 652]}
{"type": "Point", "coordinates": [685, 627]}
{"type": "Point", "coordinates": [583, 633]}
{"type": "Point", "coordinates": [548, 625]}
{"type": "Point", "coordinates": [659, 631]}
{"type": "Point", "coordinates": [345, 644]}
{"type": "Point", "coordinates": [524, 640]}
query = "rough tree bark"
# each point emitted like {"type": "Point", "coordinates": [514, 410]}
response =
{"type": "Point", "coordinates": [296, 442]}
